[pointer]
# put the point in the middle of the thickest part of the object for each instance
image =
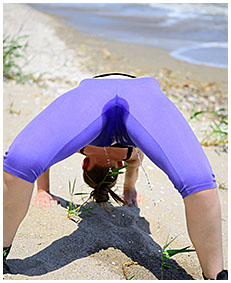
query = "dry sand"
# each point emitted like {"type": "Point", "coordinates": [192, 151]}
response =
{"type": "Point", "coordinates": [95, 245]}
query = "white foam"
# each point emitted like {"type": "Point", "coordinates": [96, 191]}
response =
{"type": "Point", "coordinates": [180, 9]}
{"type": "Point", "coordinates": [178, 53]}
{"type": "Point", "coordinates": [176, 13]}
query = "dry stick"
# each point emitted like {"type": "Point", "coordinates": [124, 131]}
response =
{"type": "Point", "coordinates": [213, 143]}
{"type": "Point", "coordinates": [128, 264]}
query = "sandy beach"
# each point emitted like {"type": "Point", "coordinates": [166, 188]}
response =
{"type": "Point", "coordinates": [95, 245]}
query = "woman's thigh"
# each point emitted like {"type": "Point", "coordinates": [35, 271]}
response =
{"type": "Point", "coordinates": [70, 122]}
{"type": "Point", "coordinates": [158, 128]}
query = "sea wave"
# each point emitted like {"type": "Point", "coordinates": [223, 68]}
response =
{"type": "Point", "coordinates": [186, 54]}
{"type": "Point", "coordinates": [194, 32]}
{"type": "Point", "coordinates": [193, 10]}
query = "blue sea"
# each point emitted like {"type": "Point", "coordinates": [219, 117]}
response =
{"type": "Point", "coordinates": [196, 33]}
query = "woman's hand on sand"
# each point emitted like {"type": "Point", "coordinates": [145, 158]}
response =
{"type": "Point", "coordinates": [45, 198]}
{"type": "Point", "coordinates": [132, 197]}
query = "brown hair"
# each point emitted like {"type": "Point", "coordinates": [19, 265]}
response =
{"type": "Point", "coordinates": [97, 179]}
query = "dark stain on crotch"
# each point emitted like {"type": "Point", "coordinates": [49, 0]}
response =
{"type": "Point", "coordinates": [114, 114]}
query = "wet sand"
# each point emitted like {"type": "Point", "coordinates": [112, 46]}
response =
{"type": "Point", "coordinates": [95, 245]}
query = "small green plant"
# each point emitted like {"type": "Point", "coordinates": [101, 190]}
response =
{"type": "Point", "coordinates": [13, 50]}
{"type": "Point", "coordinates": [222, 186]}
{"type": "Point", "coordinates": [166, 254]}
{"type": "Point", "coordinates": [217, 132]}
{"type": "Point", "coordinates": [115, 171]}
{"type": "Point", "coordinates": [132, 277]}
{"type": "Point", "coordinates": [12, 111]}
{"type": "Point", "coordinates": [14, 59]}
{"type": "Point", "coordinates": [76, 210]}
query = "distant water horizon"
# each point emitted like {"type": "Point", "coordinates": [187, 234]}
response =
{"type": "Point", "coordinates": [195, 33]}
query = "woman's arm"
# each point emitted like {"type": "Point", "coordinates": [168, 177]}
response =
{"type": "Point", "coordinates": [44, 196]}
{"type": "Point", "coordinates": [43, 182]}
{"type": "Point", "coordinates": [131, 176]}
{"type": "Point", "coordinates": [132, 171]}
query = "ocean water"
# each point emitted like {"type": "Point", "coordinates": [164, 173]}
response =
{"type": "Point", "coordinates": [196, 33]}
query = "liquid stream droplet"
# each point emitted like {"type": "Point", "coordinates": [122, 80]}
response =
{"type": "Point", "coordinates": [145, 174]}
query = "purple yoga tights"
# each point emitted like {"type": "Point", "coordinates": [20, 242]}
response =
{"type": "Point", "coordinates": [100, 112]}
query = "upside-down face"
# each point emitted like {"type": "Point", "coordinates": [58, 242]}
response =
{"type": "Point", "coordinates": [86, 163]}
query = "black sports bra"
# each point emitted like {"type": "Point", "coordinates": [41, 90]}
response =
{"type": "Point", "coordinates": [129, 152]}
{"type": "Point", "coordinates": [114, 74]}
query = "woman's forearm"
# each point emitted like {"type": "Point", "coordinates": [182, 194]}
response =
{"type": "Point", "coordinates": [131, 177]}
{"type": "Point", "coordinates": [43, 181]}
{"type": "Point", "coordinates": [132, 171]}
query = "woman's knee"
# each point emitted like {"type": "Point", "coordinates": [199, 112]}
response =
{"type": "Point", "coordinates": [8, 178]}
{"type": "Point", "coordinates": [22, 164]}
{"type": "Point", "coordinates": [16, 191]}
{"type": "Point", "coordinates": [12, 181]}
{"type": "Point", "coordinates": [192, 182]}
{"type": "Point", "coordinates": [207, 199]}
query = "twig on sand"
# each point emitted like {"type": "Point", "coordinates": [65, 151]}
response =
{"type": "Point", "coordinates": [214, 143]}
{"type": "Point", "coordinates": [124, 268]}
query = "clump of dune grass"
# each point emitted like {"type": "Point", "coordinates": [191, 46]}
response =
{"type": "Point", "coordinates": [217, 131]}
{"type": "Point", "coordinates": [15, 58]}
{"type": "Point", "coordinates": [166, 254]}
{"type": "Point", "coordinates": [73, 209]}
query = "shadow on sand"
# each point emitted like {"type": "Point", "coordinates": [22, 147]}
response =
{"type": "Point", "coordinates": [97, 230]}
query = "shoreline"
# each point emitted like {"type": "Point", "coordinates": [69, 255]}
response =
{"type": "Point", "coordinates": [155, 58]}
{"type": "Point", "coordinates": [125, 27]}
{"type": "Point", "coordinates": [48, 246]}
